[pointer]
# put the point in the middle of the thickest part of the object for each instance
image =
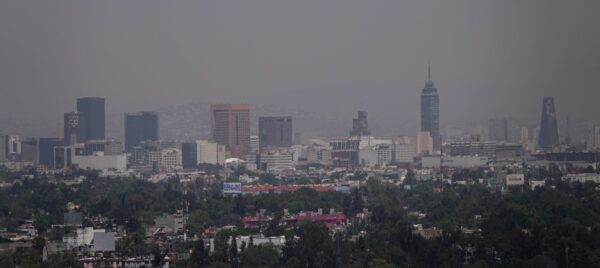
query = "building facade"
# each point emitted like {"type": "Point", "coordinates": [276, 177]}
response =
{"type": "Point", "coordinates": [424, 143]}
{"type": "Point", "coordinates": [46, 151]}
{"type": "Point", "coordinates": [74, 128]}
{"type": "Point", "coordinates": [189, 155]}
{"type": "Point", "coordinates": [430, 112]}
{"type": "Point", "coordinates": [94, 115]}
{"type": "Point", "coordinates": [275, 132]}
{"type": "Point", "coordinates": [230, 126]}
{"type": "Point", "coordinates": [548, 125]}
{"type": "Point", "coordinates": [140, 127]}
{"type": "Point", "coordinates": [360, 125]}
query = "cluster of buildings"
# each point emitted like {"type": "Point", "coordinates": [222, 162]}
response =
{"type": "Point", "coordinates": [274, 147]}
{"type": "Point", "coordinates": [329, 220]}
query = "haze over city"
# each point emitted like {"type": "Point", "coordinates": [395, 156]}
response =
{"type": "Point", "coordinates": [299, 134]}
{"type": "Point", "coordinates": [489, 58]}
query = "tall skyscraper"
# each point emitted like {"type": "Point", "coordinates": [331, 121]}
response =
{"type": "Point", "coordinates": [230, 126]}
{"type": "Point", "coordinates": [140, 127]}
{"type": "Point", "coordinates": [430, 111]}
{"type": "Point", "coordinates": [74, 128]}
{"type": "Point", "coordinates": [94, 116]}
{"type": "Point", "coordinates": [274, 131]}
{"type": "Point", "coordinates": [548, 126]}
{"type": "Point", "coordinates": [360, 125]}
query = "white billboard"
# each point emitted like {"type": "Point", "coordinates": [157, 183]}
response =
{"type": "Point", "coordinates": [515, 179]}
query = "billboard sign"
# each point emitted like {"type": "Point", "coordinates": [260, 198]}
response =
{"type": "Point", "coordinates": [232, 188]}
{"type": "Point", "coordinates": [515, 179]}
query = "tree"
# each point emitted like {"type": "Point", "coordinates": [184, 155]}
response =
{"type": "Point", "coordinates": [314, 246]}
{"type": "Point", "coordinates": [199, 256]}
{"type": "Point", "coordinates": [379, 263]}
{"type": "Point", "coordinates": [260, 256]}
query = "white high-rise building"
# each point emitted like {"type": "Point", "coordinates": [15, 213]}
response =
{"type": "Point", "coordinates": [404, 153]}
{"type": "Point", "coordinates": [277, 162]}
{"type": "Point", "coordinates": [170, 158]}
{"type": "Point", "coordinates": [209, 153]}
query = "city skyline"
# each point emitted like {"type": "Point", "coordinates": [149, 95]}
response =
{"type": "Point", "coordinates": [483, 57]}
{"type": "Point", "coordinates": [283, 133]}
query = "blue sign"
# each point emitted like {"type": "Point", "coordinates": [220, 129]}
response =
{"type": "Point", "coordinates": [232, 188]}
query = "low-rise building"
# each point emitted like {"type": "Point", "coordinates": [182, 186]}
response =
{"type": "Point", "coordinates": [583, 178]}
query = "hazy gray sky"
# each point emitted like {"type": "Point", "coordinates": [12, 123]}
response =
{"type": "Point", "coordinates": [329, 56]}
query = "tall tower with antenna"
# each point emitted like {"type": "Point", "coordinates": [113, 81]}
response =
{"type": "Point", "coordinates": [430, 110]}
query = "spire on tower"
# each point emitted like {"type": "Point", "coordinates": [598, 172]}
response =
{"type": "Point", "coordinates": [428, 71]}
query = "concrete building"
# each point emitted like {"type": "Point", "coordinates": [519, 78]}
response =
{"type": "Point", "coordinates": [378, 155]}
{"type": "Point", "coordinates": [230, 126]}
{"type": "Point", "coordinates": [360, 125]}
{"type": "Point", "coordinates": [29, 151]}
{"type": "Point", "coordinates": [254, 148]}
{"type": "Point", "coordinates": [582, 178]}
{"type": "Point", "coordinates": [93, 113]}
{"type": "Point", "coordinates": [140, 127]}
{"type": "Point", "coordinates": [170, 159]}
{"type": "Point", "coordinates": [210, 153]}
{"type": "Point", "coordinates": [403, 153]}
{"type": "Point", "coordinates": [472, 148]}
{"type": "Point", "coordinates": [274, 132]}
{"type": "Point", "coordinates": [10, 148]}
{"type": "Point", "coordinates": [318, 154]}
{"type": "Point", "coordinates": [74, 128]}
{"type": "Point", "coordinates": [424, 144]}
{"type": "Point", "coordinates": [102, 162]}
{"type": "Point", "coordinates": [454, 161]}
{"type": "Point", "coordinates": [108, 147]}
{"type": "Point", "coordinates": [276, 162]}
{"type": "Point", "coordinates": [344, 151]}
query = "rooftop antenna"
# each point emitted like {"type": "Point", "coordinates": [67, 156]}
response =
{"type": "Point", "coordinates": [428, 70]}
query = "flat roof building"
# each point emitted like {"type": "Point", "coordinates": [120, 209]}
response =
{"type": "Point", "coordinates": [230, 126]}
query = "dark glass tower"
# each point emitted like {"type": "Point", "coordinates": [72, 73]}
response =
{"type": "Point", "coordinates": [360, 125]}
{"type": "Point", "coordinates": [430, 111]}
{"type": "Point", "coordinates": [94, 114]}
{"type": "Point", "coordinates": [46, 150]}
{"type": "Point", "coordinates": [140, 127]}
{"type": "Point", "coordinates": [548, 126]}
{"type": "Point", "coordinates": [74, 128]}
{"type": "Point", "coordinates": [274, 131]}
{"type": "Point", "coordinates": [189, 155]}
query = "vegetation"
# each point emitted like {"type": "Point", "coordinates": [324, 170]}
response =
{"type": "Point", "coordinates": [552, 226]}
